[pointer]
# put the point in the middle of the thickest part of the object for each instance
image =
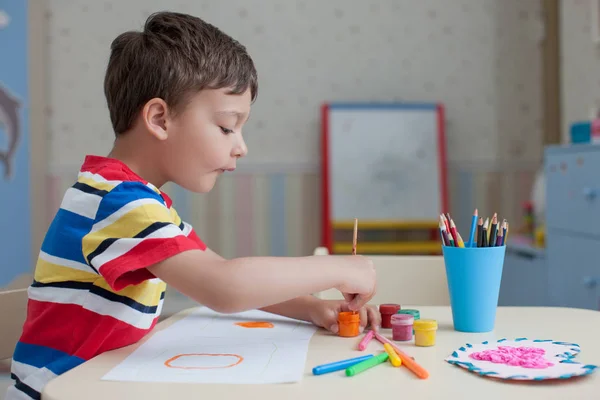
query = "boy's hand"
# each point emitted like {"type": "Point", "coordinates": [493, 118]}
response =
{"type": "Point", "coordinates": [359, 281]}
{"type": "Point", "coordinates": [324, 314]}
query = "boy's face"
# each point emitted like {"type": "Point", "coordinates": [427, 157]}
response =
{"type": "Point", "coordinates": [205, 140]}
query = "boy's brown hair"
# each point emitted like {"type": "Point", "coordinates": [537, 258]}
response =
{"type": "Point", "coordinates": [174, 57]}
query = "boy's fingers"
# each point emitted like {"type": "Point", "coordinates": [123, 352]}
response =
{"type": "Point", "coordinates": [348, 297]}
{"type": "Point", "coordinates": [374, 318]}
{"type": "Point", "coordinates": [358, 302]}
{"type": "Point", "coordinates": [364, 318]}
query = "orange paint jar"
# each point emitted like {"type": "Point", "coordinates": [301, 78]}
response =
{"type": "Point", "coordinates": [348, 323]}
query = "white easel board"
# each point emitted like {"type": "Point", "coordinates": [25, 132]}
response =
{"type": "Point", "coordinates": [383, 162]}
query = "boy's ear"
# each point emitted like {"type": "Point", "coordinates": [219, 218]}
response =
{"type": "Point", "coordinates": [154, 115]}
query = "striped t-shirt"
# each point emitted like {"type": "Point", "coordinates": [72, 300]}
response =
{"type": "Point", "coordinates": [91, 291]}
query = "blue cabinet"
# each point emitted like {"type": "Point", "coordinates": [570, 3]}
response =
{"type": "Point", "coordinates": [524, 277]}
{"type": "Point", "coordinates": [573, 225]}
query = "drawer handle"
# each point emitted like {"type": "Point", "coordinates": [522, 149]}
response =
{"type": "Point", "coordinates": [589, 193]}
{"type": "Point", "coordinates": [590, 282]}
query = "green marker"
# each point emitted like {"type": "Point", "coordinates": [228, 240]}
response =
{"type": "Point", "coordinates": [365, 365]}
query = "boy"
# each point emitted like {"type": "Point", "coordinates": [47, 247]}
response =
{"type": "Point", "coordinates": [178, 94]}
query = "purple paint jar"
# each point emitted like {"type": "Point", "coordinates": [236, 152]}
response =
{"type": "Point", "coordinates": [402, 327]}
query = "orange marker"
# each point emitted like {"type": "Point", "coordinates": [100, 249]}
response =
{"type": "Point", "coordinates": [407, 361]}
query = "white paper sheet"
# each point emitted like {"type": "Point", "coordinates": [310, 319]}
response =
{"type": "Point", "coordinates": [204, 322]}
{"type": "Point", "coordinates": [208, 347]}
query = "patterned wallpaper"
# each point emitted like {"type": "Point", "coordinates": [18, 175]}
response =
{"type": "Point", "coordinates": [481, 58]}
{"type": "Point", "coordinates": [580, 64]}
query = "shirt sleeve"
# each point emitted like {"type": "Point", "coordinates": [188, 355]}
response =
{"type": "Point", "coordinates": [133, 230]}
{"type": "Point", "coordinates": [187, 229]}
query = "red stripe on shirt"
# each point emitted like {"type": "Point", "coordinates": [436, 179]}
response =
{"type": "Point", "coordinates": [192, 235]}
{"type": "Point", "coordinates": [118, 272]}
{"type": "Point", "coordinates": [111, 169]}
{"type": "Point", "coordinates": [93, 334]}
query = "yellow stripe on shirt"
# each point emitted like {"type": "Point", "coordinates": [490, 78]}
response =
{"type": "Point", "coordinates": [95, 184]}
{"type": "Point", "coordinates": [176, 218]}
{"type": "Point", "coordinates": [128, 225]}
{"type": "Point", "coordinates": [146, 293]}
{"type": "Point", "coordinates": [47, 272]}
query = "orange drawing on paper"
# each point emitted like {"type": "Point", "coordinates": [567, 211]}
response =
{"type": "Point", "coordinates": [255, 324]}
{"type": "Point", "coordinates": [169, 362]}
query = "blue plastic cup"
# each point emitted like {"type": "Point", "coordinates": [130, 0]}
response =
{"type": "Point", "coordinates": [474, 275]}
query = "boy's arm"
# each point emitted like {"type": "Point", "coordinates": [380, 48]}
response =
{"type": "Point", "coordinates": [298, 308]}
{"type": "Point", "coordinates": [136, 237]}
{"type": "Point", "coordinates": [254, 282]}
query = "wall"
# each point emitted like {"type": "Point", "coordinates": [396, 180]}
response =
{"type": "Point", "coordinates": [14, 143]}
{"type": "Point", "coordinates": [580, 63]}
{"type": "Point", "coordinates": [481, 58]}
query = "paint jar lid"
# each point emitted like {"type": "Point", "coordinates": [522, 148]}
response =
{"type": "Point", "coordinates": [425, 325]}
{"type": "Point", "coordinates": [414, 313]}
{"type": "Point", "coordinates": [389, 308]}
{"type": "Point", "coordinates": [349, 316]}
{"type": "Point", "coordinates": [402, 319]}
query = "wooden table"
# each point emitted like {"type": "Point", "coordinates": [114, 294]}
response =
{"type": "Point", "coordinates": [445, 382]}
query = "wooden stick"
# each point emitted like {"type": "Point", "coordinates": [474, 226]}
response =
{"type": "Point", "coordinates": [354, 239]}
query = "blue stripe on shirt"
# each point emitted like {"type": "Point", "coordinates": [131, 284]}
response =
{"type": "Point", "coordinates": [41, 356]}
{"type": "Point", "coordinates": [65, 235]}
{"type": "Point", "coordinates": [123, 194]}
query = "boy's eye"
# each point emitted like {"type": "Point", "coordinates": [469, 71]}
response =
{"type": "Point", "coordinates": [225, 130]}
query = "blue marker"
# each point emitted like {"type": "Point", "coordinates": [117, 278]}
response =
{"type": "Point", "coordinates": [339, 365]}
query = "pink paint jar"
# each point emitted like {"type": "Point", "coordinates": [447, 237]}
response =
{"type": "Point", "coordinates": [402, 327]}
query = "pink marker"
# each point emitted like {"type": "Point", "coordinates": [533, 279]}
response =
{"type": "Point", "coordinates": [365, 340]}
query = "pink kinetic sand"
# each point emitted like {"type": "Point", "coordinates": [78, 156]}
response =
{"type": "Point", "coordinates": [526, 357]}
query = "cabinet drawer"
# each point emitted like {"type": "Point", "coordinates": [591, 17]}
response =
{"type": "Point", "coordinates": [573, 269]}
{"type": "Point", "coordinates": [524, 278]}
{"type": "Point", "coordinates": [573, 190]}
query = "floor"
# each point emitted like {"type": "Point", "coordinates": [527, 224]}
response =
{"type": "Point", "coordinates": [174, 302]}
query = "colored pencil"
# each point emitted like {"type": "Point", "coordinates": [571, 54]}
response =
{"type": "Point", "coordinates": [355, 236]}
{"type": "Point", "coordinates": [472, 238]}
{"type": "Point", "coordinates": [461, 243]}
{"type": "Point", "coordinates": [484, 242]}
{"type": "Point", "coordinates": [445, 238]}
{"type": "Point", "coordinates": [500, 238]}
{"type": "Point", "coordinates": [454, 233]}
{"type": "Point", "coordinates": [479, 232]}
{"type": "Point", "coordinates": [493, 230]}
{"type": "Point", "coordinates": [447, 228]}
{"type": "Point", "coordinates": [445, 222]}
{"type": "Point", "coordinates": [506, 232]}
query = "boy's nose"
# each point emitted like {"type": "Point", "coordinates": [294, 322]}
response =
{"type": "Point", "coordinates": [241, 149]}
